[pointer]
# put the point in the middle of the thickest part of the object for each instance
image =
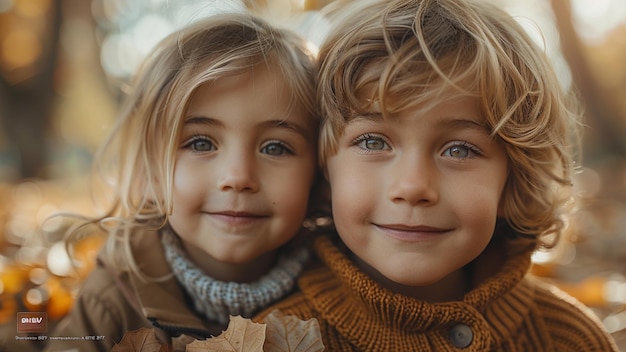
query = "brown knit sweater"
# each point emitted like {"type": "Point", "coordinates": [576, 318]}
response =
{"type": "Point", "coordinates": [506, 311]}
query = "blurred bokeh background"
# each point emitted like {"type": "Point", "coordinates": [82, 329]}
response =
{"type": "Point", "coordinates": [63, 66]}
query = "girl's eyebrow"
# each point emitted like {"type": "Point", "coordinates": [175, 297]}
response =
{"type": "Point", "coordinates": [282, 124]}
{"type": "Point", "coordinates": [287, 125]}
{"type": "Point", "coordinates": [202, 120]}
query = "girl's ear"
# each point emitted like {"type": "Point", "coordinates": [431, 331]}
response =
{"type": "Point", "coordinates": [502, 212]}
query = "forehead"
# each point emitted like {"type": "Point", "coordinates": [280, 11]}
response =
{"type": "Point", "coordinates": [459, 112]}
{"type": "Point", "coordinates": [393, 102]}
{"type": "Point", "coordinates": [253, 84]}
{"type": "Point", "coordinates": [392, 86]}
{"type": "Point", "coordinates": [257, 96]}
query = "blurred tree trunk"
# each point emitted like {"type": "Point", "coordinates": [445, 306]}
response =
{"type": "Point", "coordinates": [601, 112]}
{"type": "Point", "coordinates": [26, 104]}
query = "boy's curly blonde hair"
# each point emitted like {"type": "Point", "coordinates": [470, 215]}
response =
{"type": "Point", "coordinates": [404, 54]}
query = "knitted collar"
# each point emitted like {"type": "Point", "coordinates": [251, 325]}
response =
{"type": "Point", "coordinates": [217, 300]}
{"type": "Point", "coordinates": [346, 298]}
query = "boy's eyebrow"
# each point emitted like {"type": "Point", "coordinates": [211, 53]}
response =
{"type": "Point", "coordinates": [373, 116]}
{"type": "Point", "coordinates": [464, 123]}
{"type": "Point", "coordinates": [445, 122]}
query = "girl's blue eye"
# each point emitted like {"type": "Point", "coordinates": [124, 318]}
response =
{"type": "Point", "coordinates": [460, 151]}
{"type": "Point", "coordinates": [275, 149]}
{"type": "Point", "coordinates": [368, 142]}
{"type": "Point", "coordinates": [200, 144]}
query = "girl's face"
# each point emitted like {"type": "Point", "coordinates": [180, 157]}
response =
{"type": "Point", "coordinates": [244, 168]}
{"type": "Point", "coordinates": [416, 197]}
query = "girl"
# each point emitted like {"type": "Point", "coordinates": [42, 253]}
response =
{"type": "Point", "coordinates": [446, 142]}
{"type": "Point", "coordinates": [215, 163]}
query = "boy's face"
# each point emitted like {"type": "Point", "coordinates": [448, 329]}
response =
{"type": "Point", "coordinates": [244, 169]}
{"type": "Point", "coordinates": [416, 197]}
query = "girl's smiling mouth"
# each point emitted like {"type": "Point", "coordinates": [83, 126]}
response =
{"type": "Point", "coordinates": [237, 218]}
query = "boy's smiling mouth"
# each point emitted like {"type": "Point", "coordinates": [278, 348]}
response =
{"type": "Point", "coordinates": [411, 233]}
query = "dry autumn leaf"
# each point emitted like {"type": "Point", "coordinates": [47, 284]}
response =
{"type": "Point", "coordinates": [242, 335]}
{"type": "Point", "coordinates": [286, 333]}
{"type": "Point", "coordinates": [142, 340]}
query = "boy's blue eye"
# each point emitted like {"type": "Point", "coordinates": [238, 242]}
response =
{"type": "Point", "coordinates": [368, 142]}
{"type": "Point", "coordinates": [460, 151]}
{"type": "Point", "coordinates": [275, 149]}
{"type": "Point", "coordinates": [374, 144]}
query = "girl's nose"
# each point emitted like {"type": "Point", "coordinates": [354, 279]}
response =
{"type": "Point", "coordinates": [414, 180]}
{"type": "Point", "coordinates": [237, 173]}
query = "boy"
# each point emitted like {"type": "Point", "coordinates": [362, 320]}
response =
{"type": "Point", "coordinates": [446, 143]}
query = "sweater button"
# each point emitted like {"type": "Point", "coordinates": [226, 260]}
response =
{"type": "Point", "coordinates": [461, 335]}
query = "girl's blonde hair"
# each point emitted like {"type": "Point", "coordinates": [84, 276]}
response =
{"type": "Point", "coordinates": [399, 54]}
{"type": "Point", "coordinates": [138, 156]}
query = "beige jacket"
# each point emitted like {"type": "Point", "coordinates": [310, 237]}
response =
{"type": "Point", "coordinates": [112, 302]}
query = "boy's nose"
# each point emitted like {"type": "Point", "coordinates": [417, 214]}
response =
{"type": "Point", "coordinates": [414, 181]}
{"type": "Point", "coordinates": [238, 173]}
